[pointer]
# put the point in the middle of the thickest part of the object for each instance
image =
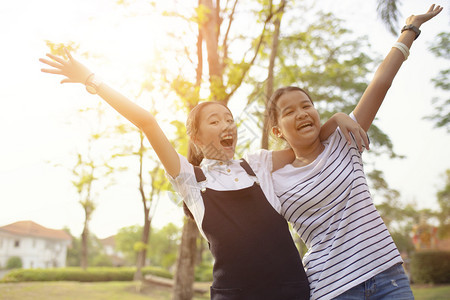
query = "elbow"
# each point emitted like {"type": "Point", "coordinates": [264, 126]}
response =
{"type": "Point", "coordinates": [144, 121]}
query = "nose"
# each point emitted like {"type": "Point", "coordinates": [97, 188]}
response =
{"type": "Point", "coordinates": [226, 125]}
{"type": "Point", "coordinates": [301, 114]}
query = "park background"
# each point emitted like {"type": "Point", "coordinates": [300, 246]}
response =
{"type": "Point", "coordinates": [38, 128]}
{"type": "Point", "coordinates": [129, 43]}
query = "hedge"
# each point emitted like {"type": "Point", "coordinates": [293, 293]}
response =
{"type": "Point", "coordinates": [430, 267]}
{"type": "Point", "coordinates": [78, 274]}
{"type": "Point", "coordinates": [14, 262]}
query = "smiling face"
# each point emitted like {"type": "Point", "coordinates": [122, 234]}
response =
{"type": "Point", "coordinates": [298, 121]}
{"type": "Point", "coordinates": [217, 132]}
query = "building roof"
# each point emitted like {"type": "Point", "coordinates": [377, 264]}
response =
{"type": "Point", "coordinates": [109, 241]}
{"type": "Point", "coordinates": [32, 229]}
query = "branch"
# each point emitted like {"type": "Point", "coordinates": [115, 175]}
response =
{"type": "Point", "coordinates": [225, 39]}
{"type": "Point", "coordinates": [244, 73]}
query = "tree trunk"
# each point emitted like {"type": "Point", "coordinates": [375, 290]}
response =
{"type": "Point", "coordinates": [84, 245]}
{"type": "Point", "coordinates": [184, 276]}
{"type": "Point", "coordinates": [270, 79]}
{"type": "Point", "coordinates": [140, 262]}
{"type": "Point", "coordinates": [210, 31]}
{"type": "Point", "coordinates": [200, 250]}
{"type": "Point", "coordinates": [184, 279]}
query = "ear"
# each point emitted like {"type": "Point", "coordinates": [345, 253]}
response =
{"type": "Point", "coordinates": [276, 131]}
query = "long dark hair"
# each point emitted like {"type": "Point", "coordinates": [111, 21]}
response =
{"type": "Point", "coordinates": [195, 155]}
{"type": "Point", "coordinates": [273, 106]}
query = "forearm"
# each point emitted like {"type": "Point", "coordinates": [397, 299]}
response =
{"type": "Point", "coordinates": [145, 121]}
{"type": "Point", "coordinates": [328, 127]}
{"type": "Point", "coordinates": [75, 72]}
{"type": "Point", "coordinates": [127, 108]}
{"type": "Point", "coordinates": [374, 95]}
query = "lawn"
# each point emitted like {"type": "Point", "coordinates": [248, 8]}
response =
{"type": "Point", "coordinates": [69, 290]}
{"type": "Point", "coordinates": [429, 292]}
{"type": "Point", "coordinates": [129, 291]}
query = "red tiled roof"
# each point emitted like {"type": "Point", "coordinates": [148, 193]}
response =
{"type": "Point", "coordinates": [30, 228]}
{"type": "Point", "coordinates": [109, 241]}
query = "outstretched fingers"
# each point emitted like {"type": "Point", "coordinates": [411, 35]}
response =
{"type": "Point", "coordinates": [435, 10]}
{"type": "Point", "coordinates": [52, 71]}
{"type": "Point", "coordinates": [51, 63]}
{"type": "Point", "coordinates": [68, 54]}
{"type": "Point", "coordinates": [56, 58]}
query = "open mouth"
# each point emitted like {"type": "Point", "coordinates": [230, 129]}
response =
{"type": "Point", "coordinates": [304, 125]}
{"type": "Point", "coordinates": [227, 141]}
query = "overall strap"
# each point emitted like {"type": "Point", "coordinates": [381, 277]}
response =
{"type": "Point", "coordinates": [199, 175]}
{"type": "Point", "coordinates": [247, 168]}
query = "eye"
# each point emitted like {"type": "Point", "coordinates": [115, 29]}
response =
{"type": "Point", "coordinates": [214, 122]}
{"type": "Point", "coordinates": [230, 121]}
{"type": "Point", "coordinates": [289, 112]}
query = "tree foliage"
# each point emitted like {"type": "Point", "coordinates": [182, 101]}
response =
{"type": "Point", "coordinates": [443, 199]}
{"type": "Point", "coordinates": [441, 115]}
{"type": "Point", "coordinates": [388, 12]}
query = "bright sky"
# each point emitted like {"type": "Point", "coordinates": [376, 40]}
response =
{"type": "Point", "coordinates": [36, 119]}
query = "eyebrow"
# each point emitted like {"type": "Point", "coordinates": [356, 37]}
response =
{"type": "Point", "coordinates": [214, 114]}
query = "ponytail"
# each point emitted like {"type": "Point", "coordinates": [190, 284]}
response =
{"type": "Point", "coordinates": [194, 155]}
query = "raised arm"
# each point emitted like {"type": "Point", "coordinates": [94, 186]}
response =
{"type": "Point", "coordinates": [373, 96]}
{"type": "Point", "coordinates": [75, 72]}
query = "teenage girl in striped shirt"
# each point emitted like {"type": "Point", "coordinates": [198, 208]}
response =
{"type": "Point", "coordinates": [324, 193]}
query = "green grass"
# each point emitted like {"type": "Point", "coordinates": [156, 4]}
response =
{"type": "Point", "coordinates": [129, 291]}
{"type": "Point", "coordinates": [429, 292]}
{"type": "Point", "coordinates": [86, 291]}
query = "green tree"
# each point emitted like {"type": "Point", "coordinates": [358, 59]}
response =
{"type": "Point", "coordinates": [443, 199]}
{"type": "Point", "coordinates": [149, 196]}
{"type": "Point", "coordinates": [96, 255]}
{"type": "Point", "coordinates": [225, 75]}
{"type": "Point", "coordinates": [126, 239]}
{"type": "Point", "coordinates": [388, 12]}
{"type": "Point", "coordinates": [441, 115]}
{"type": "Point", "coordinates": [87, 168]}
{"type": "Point", "coordinates": [163, 246]}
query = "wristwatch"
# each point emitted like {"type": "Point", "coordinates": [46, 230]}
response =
{"type": "Point", "coordinates": [413, 28]}
{"type": "Point", "coordinates": [92, 84]}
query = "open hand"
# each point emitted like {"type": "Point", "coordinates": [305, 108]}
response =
{"type": "Point", "coordinates": [347, 126]}
{"type": "Point", "coordinates": [73, 70]}
{"type": "Point", "coordinates": [420, 19]}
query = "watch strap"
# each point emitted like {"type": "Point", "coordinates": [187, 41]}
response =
{"type": "Point", "coordinates": [413, 28]}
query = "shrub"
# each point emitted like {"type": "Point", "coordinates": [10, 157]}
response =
{"type": "Point", "coordinates": [204, 272]}
{"type": "Point", "coordinates": [78, 274]}
{"type": "Point", "coordinates": [430, 267]}
{"type": "Point", "coordinates": [14, 262]}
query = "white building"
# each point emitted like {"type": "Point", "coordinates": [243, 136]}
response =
{"type": "Point", "coordinates": [36, 245]}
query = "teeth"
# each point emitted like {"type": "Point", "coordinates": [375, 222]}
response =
{"type": "Point", "coordinates": [303, 125]}
{"type": "Point", "coordinates": [227, 138]}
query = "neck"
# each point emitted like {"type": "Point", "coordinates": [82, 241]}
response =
{"type": "Point", "coordinates": [305, 156]}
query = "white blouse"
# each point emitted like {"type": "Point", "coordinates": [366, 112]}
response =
{"type": "Point", "coordinates": [223, 176]}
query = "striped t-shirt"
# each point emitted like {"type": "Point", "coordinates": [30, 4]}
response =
{"type": "Point", "coordinates": [329, 205]}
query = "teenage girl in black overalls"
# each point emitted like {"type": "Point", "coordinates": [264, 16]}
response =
{"type": "Point", "coordinates": [255, 257]}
